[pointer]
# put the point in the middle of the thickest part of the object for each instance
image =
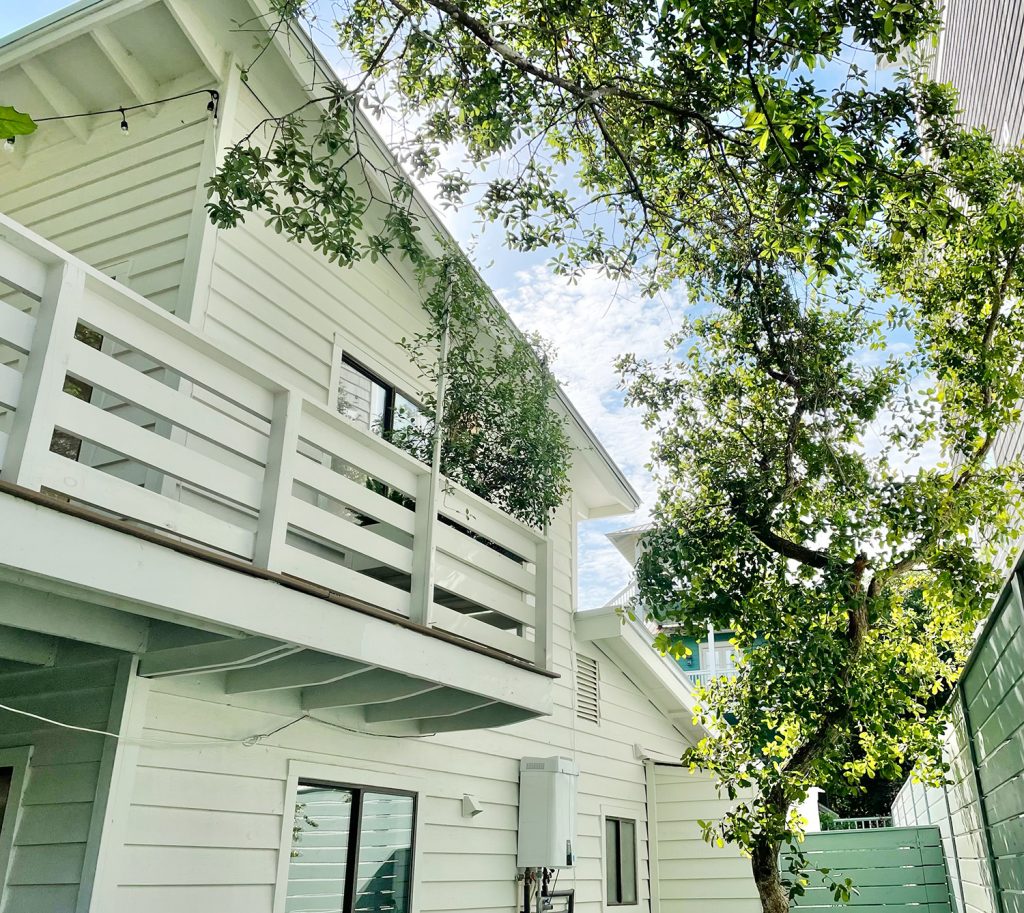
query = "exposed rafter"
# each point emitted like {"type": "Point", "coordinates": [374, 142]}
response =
{"type": "Point", "coordinates": [213, 56]}
{"type": "Point", "coordinates": [213, 656]}
{"type": "Point", "coordinates": [443, 702]}
{"type": "Point", "coordinates": [480, 718]}
{"type": "Point", "coordinates": [368, 688]}
{"type": "Point", "coordinates": [27, 647]}
{"type": "Point", "coordinates": [59, 96]}
{"type": "Point", "coordinates": [142, 86]}
{"type": "Point", "coordinates": [55, 614]}
{"type": "Point", "coordinates": [300, 670]}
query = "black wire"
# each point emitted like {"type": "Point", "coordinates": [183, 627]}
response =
{"type": "Point", "coordinates": [213, 93]}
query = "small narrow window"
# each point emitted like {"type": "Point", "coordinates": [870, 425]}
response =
{"type": "Point", "coordinates": [588, 694]}
{"type": "Point", "coordinates": [371, 401]}
{"type": "Point", "coordinates": [620, 861]}
{"type": "Point", "coordinates": [352, 850]}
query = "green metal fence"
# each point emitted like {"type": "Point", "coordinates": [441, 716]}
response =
{"type": "Point", "coordinates": [992, 700]}
{"type": "Point", "coordinates": [894, 870]}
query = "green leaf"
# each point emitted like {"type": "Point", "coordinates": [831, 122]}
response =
{"type": "Point", "coordinates": [14, 123]}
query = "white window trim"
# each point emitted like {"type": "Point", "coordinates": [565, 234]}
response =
{"type": "Point", "coordinates": [401, 380]}
{"type": "Point", "coordinates": [363, 776]}
{"type": "Point", "coordinates": [18, 759]}
{"type": "Point", "coordinates": [633, 813]}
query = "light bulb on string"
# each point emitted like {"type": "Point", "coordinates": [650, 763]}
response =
{"type": "Point", "coordinates": [9, 145]}
{"type": "Point", "coordinates": [124, 122]}
{"type": "Point", "coordinates": [214, 103]}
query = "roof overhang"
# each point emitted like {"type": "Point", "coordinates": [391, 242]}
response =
{"type": "Point", "coordinates": [630, 646]}
{"type": "Point", "coordinates": [627, 541]}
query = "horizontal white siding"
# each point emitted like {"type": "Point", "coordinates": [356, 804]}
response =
{"type": "Point", "coordinates": [117, 198]}
{"type": "Point", "coordinates": [694, 875]}
{"type": "Point", "coordinates": [64, 774]}
{"type": "Point", "coordinates": [283, 302]}
{"type": "Point", "coordinates": [212, 814]}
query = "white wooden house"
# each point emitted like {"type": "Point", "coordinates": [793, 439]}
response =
{"type": "Point", "coordinates": [710, 656]}
{"type": "Point", "coordinates": [207, 619]}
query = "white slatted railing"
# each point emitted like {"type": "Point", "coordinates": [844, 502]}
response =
{"type": "Point", "coordinates": [179, 436]}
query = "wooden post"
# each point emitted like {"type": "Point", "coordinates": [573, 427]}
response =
{"type": "Point", "coordinates": [421, 596]}
{"type": "Point", "coordinates": [544, 598]}
{"type": "Point", "coordinates": [712, 670]}
{"type": "Point", "coordinates": [43, 380]}
{"type": "Point", "coordinates": [278, 478]}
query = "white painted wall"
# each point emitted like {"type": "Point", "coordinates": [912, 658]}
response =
{"type": "Point", "coordinates": [58, 823]}
{"type": "Point", "coordinates": [202, 827]}
{"type": "Point", "coordinates": [219, 815]}
{"type": "Point", "coordinates": [694, 876]}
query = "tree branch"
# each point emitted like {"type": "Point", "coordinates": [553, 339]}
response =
{"type": "Point", "coordinates": [521, 62]}
{"type": "Point", "coordinates": [787, 548]}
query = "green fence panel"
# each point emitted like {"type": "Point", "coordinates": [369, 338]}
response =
{"type": "Point", "coordinates": [894, 870]}
{"type": "Point", "coordinates": [992, 694]}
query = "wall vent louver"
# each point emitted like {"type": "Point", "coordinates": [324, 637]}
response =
{"type": "Point", "coordinates": [588, 689]}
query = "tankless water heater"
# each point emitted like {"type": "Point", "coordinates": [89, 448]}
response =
{"type": "Point", "coordinates": [547, 813]}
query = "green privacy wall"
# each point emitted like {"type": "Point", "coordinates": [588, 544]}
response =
{"type": "Point", "coordinates": [894, 869]}
{"type": "Point", "coordinates": [992, 698]}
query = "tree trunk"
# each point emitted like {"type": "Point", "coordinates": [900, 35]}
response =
{"type": "Point", "coordinates": [765, 864]}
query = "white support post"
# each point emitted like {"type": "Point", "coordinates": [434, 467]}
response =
{"type": "Point", "coordinates": [421, 596]}
{"type": "Point", "coordinates": [712, 656]}
{"type": "Point", "coordinates": [422, 590]}
{"type": "Point", "coordinates": [544, 598]}
{"type": "Point", "coordinates": [43, 380]}
{"type": "Point", "coordinates": [282, 454]}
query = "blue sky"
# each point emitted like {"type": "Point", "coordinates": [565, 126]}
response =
{"type": "Point", "coordinates": [590, 324]}
{"type": "Point", "coordinates": [14, 15]}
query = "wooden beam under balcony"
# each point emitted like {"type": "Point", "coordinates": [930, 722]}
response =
{"type": "Point", "coordinates": [213, 656]}
{"type": "Point", "coordinates": [487, 717]}
{"type": "Point", "coordinates": [27, 647]}
{"type": "Point", "coordinates": [375, 686]}
{"type": "Point", "coordinates": [299, 670]}
{"type": "Point", "coordinates": [440, 703]}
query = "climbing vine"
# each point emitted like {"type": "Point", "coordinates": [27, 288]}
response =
{"type": "Point", "coordinates": [500, 437]}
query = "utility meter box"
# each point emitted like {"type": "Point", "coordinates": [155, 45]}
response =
{"type": "Point", "coordinates": [547, 813]}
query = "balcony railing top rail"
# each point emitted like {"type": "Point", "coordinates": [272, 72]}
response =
{"type": "Point", "coordinates": [870, 822]}
{"type": "Point", "coordinates": [108, 401]}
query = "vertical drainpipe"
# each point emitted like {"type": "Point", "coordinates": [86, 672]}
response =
{"type": "Point", "coordinates": [429, 484]}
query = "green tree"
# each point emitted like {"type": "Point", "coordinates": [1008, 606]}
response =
{"type": "Point", "coordinates": [801, 501]}
{"type": "Point", "coordinates": [802, 504]}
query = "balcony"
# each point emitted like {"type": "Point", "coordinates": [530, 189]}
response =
{"type": "Point", "coordinates": [117, 412]}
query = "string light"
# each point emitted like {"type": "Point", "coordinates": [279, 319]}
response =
{"type": "Point", "coordinates": [212, 106]}
{"type": "Point", "coordinates": [9, 145]}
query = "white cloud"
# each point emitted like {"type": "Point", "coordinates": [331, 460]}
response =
{"type": "Point", "coordinates": [591, 324]}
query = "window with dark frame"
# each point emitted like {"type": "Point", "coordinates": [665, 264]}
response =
{"type": "Point", "coordinates": [371, 401]}
{"type": "Point", "coordinates": [352, 849]}
{"type": "Point", "coordinates": [620, 861]}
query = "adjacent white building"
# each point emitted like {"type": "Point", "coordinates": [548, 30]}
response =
{"type": "Point", "coordinates": [227, 684]}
